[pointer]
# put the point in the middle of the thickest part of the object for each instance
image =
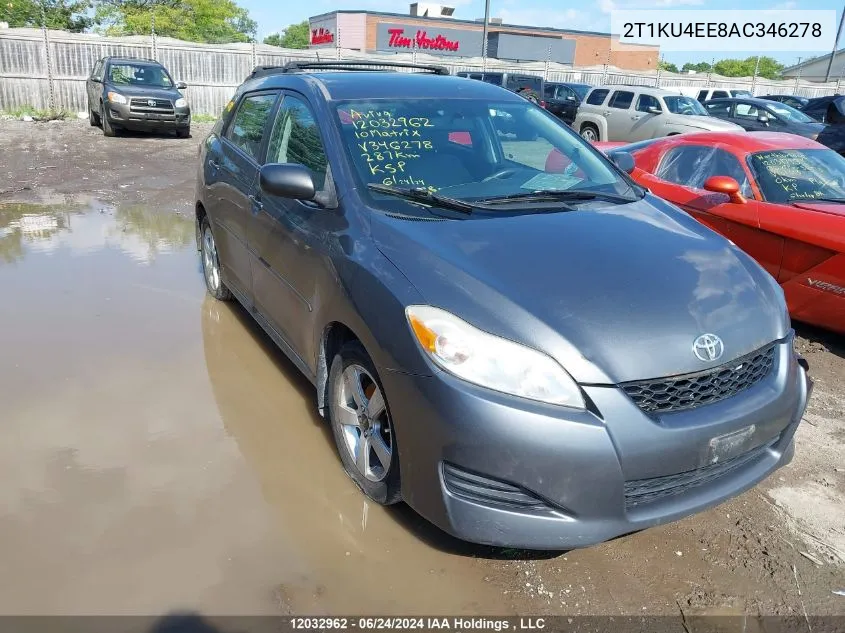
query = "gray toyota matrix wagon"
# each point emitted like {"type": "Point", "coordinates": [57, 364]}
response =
{"type": "Point", "coordinates": [508, 335]}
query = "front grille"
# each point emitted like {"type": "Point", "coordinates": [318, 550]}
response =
{"type": "Point", "coordinates": [158, 106]}
{"type": "Point", "coordinates": [486, 491]}
{"type": "Point", "coordinates": [687, 391]}
{"type": "Point", "coordinates": [642, 491]}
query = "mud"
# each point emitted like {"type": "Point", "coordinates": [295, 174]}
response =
{"type": "Point", "coordinates": [157, 452]}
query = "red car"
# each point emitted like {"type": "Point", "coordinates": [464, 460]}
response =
{"type": "Point", "coordinates": [778, 197]}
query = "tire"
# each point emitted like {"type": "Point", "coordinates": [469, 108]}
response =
{"type": "Point", "coordinates": [354, 387]}
{"type": "Point", "coordinates": [108, 129]}
{"type": "Point", "coordinates": [184, 132]}
{"type": "Point", "coordinates": [93, 118]}
{"type": "Point", "coordinates": [590, 133]}
{"type": "Point", "coordinates": [211, 264]}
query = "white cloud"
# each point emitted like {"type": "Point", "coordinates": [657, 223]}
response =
{"type": "Point", "coordinates": [785, 6]}
{"type": "Point", "coordinates": [567, 19]}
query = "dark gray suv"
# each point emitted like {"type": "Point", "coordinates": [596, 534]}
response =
{"type": "Point", "coordinates": [510, 336]}
{"type": "Point", "coordinates": [136, 94]}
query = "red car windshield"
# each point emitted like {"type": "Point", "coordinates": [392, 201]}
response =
{"type": "Point", "coordinates": [800, 174]}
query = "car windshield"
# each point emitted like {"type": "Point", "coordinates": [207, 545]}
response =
{"type": "Point", "coordinates": [684, 105]}
{"type": "Point", "coordinates": [799, 174]}
{"type": "Point", "coordinates": [140, 75]}
{"type": "Point", "coordinates": [788, 113]}
{"type": "Point", "coordinates": [741, 93]}
{"type": "Point", "coordinates": [471, 149]}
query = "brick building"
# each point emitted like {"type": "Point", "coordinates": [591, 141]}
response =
{"type": "Point", "coordinates": [431, 29]}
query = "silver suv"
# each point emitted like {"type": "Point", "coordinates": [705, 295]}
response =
{"type": "Point", "coordinates": [637, 113]}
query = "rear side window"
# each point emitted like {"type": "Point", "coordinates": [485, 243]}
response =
{"type": "Point", "coordinates": [494, 79]}
{"type": "Point", "coordinates": [597, 96]}
{"type": "Point", "coordinates": [247, 128]}
{"type": "Point", "coordinates": [647, 101]}
{"type": "Point", "coordinates": [746, 111]}
{"type": "Point", "coordinates": [621, 99]}
{"type": "Point", "coordinates": [702, 96]}
{"type": "Point", "coordinates": [523, 82]}
{"type": "Point", "coordinates": [719, 94]}
{"type": "Point", "coordinates": [550, 91]}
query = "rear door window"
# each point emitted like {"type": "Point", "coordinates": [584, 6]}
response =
{"type": "Point", "coordinates": [746, 111]}
{"type": "Point", "coordinates": [621, 100]}
{"type": "Point", "coordinates": [691, 166]}
{"type": "Point", "coordinates": [720, 94]}
{"type": "Point", "coordinates": [719, 108]}
{"type": "Point", "coordinates": [702, 96]}
{"type": "Point", "coordinates": [597, 97]}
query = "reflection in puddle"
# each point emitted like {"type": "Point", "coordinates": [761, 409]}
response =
{"type": "Point", "coordinates": [157, 452]}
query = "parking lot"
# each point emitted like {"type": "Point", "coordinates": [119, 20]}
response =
{"type": "Point", "coordinates": [158, 452]}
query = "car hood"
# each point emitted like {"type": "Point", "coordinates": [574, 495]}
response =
{"type": "Point", "coordinates": [712, 123]}
{"type": "Point", "coordinates": [614, 293]}
{"type": "Point", "coordinates": [146, 91]}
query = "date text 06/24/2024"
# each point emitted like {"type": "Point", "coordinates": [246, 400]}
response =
{"type": "Point", "coordinates": [417, 623]}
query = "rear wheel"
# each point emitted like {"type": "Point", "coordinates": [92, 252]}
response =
{"type": "Point", "coordinates": [183, 132]}
{"type": "Point", "coordinates": [361, 424]}
{"type": "Point", "coordinates": [211, 265]}
{"type": "Point", "coordinates": [589, 132]}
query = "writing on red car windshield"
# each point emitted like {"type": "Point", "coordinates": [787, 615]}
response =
{"type": "Point", "coordinates": [787, 175]}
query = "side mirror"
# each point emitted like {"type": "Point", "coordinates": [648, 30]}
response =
{"type": "Point", "coordinates": [727, 186]}
{"type": "Point", "coordinates": [654, 110]}
{"type": "Point", "coordinates": [287, 181]}
{"type": "Point", "coordinates": [570, 98]}
{"type": "Point", "coordinates": [181, 85]}
{"type": "Point", "coordinates": [763, 118]}
{"type": "Point", "coordinates": [623, 160]}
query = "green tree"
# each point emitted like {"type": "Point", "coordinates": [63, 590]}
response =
{"type": "Point", "coordinates": [769, 68]}
{"type": "Point", "coordinates": [295, 36]}
{"type": "Point", "coordinates": [668, 67]}
{"type": "Point", "coordinates": [700, 67]}
{"type": "Point", "coordinates": [214, 21]}
{"type": "Point", "coordinates": [65, 15]}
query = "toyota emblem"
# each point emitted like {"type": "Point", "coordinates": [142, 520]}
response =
{"type": "Point", "coordinates": [151, 103]}
{"type": "Point", "coordinates": [708, 347]}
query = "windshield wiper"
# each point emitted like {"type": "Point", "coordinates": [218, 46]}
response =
{"type": "Point", "coordinates": [554, 195]}
{"type": "Point", "coordinates": [420, 194]}
{"type": "Point", "coordinates": [836, 200]}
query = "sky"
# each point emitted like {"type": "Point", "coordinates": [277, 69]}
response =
{"type": "Point", "coordinates": [275, 15]}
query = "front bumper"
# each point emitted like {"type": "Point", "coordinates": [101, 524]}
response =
{"type": "Point", "coordinates": [498, 470]}
{"type": "Point", "coordinates": [123, 115]}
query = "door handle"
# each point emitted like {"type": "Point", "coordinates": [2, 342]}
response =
{"type": "Point", "coordinates": [635, 118]}
{"type": "Point", "coordinates": [213, 164]}
{"type": "Point", "coordinates": [257, 205]}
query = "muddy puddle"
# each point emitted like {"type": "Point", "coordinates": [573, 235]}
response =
{"type": "Point", "coordinates": [157, 453]}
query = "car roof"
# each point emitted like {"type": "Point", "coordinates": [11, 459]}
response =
{"type": "Point", "coordinates": [133, 60]}
{"type": "Point", "coordinates": [753, 100]}
{"type": "Point", "coordinates": [743, 142]}
{"type": "Point", "coordinates": [345, 85]}
{"type": "Point", "coordinates": [649, 89]}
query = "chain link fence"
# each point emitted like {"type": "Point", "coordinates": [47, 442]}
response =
{"type": "Point", "coordinates": [47, 69]}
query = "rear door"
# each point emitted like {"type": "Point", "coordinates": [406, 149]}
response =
{"type": "Point", "coordinates": [234, 183]}
{"type": "Point", "coordinates": [619, 115]}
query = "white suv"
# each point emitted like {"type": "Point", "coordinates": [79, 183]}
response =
{"type": "Point", "coordinates": [637, 113]}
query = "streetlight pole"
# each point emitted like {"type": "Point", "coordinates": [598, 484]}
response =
{"type": "Point", "coordinates": [835, 44]}
{"type": "Point", "coordinates": [484, 35]}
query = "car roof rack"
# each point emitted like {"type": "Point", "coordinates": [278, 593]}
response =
{"type": "Point", "coordinates": [130, 58]}
{"type": "Point", "coordinates": [353, 65]}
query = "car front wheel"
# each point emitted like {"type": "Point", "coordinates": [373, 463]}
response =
{"type": "Point", "coordinates": [361, 424]}
{"type": "Point", "coordinates": [589, 133]}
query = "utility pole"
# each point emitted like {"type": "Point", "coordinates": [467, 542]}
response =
{"type": "Point", "coordinates": [484, 36]}
{"type": "Point", "coordinates": [835, 44]}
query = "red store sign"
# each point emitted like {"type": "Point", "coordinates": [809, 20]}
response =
{"type": "Point", "coordinates": [439, 43]}
{"type": "Point", "coordinates": [321, 36]}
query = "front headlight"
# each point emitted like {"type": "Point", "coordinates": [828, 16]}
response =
{"type": "Point", "coordinates": [116, 97]}
{"type": "Point", "coordinates": [491, 361]}
{"type": "Point", "coordinates": [181, 103]}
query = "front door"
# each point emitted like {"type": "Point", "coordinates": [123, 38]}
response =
{"type": "Point", "coordinates": [645, 123]}
{"type": "Point", "coordinates": [289, 236]}
{"type": "Point", "coordinates": [618, 115]}
{"type": "Point", "coordinates": [235, 184]}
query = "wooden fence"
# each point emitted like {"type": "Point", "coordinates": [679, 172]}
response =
{"type": "Point", "coordinates": [47, 69]}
